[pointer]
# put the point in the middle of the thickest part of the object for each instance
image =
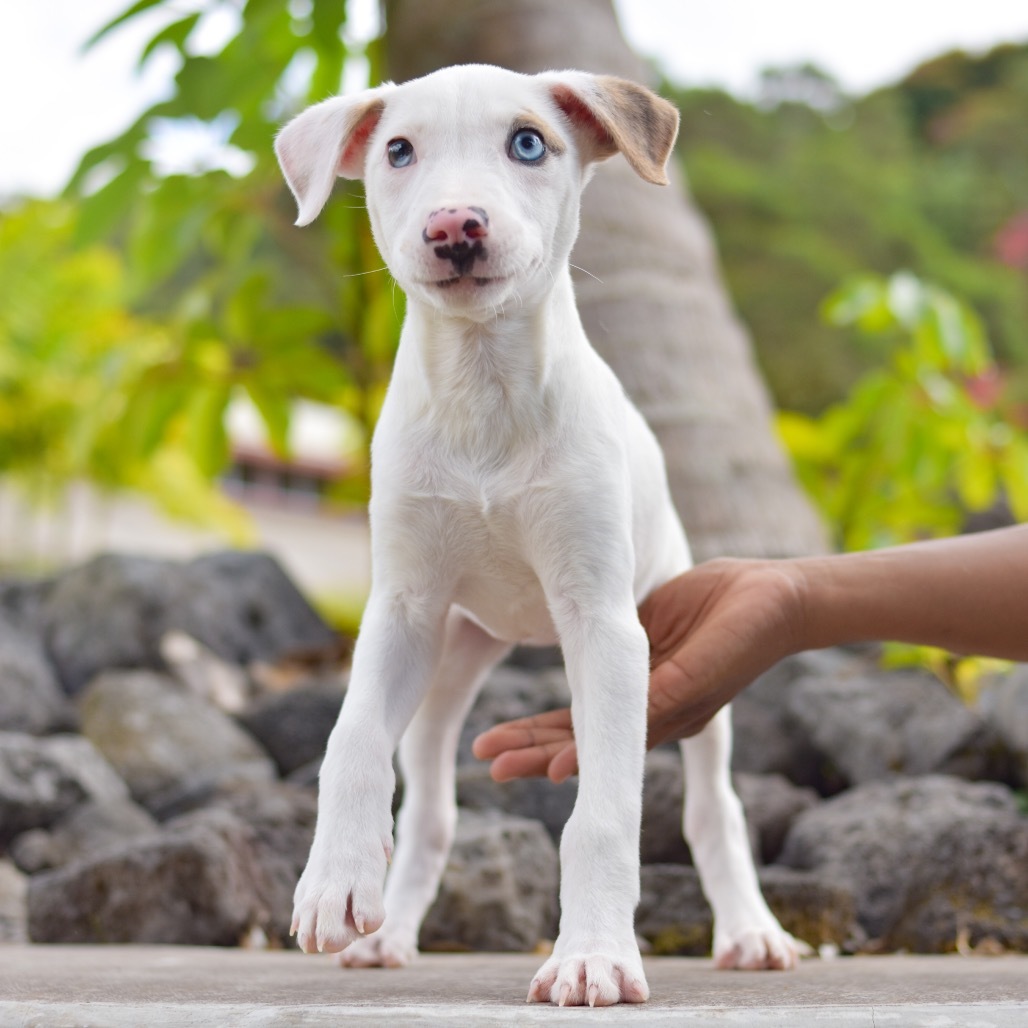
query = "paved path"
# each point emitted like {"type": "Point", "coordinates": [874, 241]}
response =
{"type": "Point", "coordinates": [159, 986]}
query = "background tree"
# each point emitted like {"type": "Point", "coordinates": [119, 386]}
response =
{"type": "Point", "coordinates": [648, 286]}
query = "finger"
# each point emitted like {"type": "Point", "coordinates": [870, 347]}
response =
{"type": "Point", "coordinates": [534, 761]}
{"type": "Point", "coordinates": [495, 742]}
{"type": "Point", "coordinates": [564, 764]}
{"type": "Point", "coordinates": [512, 735]}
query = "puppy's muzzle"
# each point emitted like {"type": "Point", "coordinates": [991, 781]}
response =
{"type": "Point", "coordinates": [456, 235]}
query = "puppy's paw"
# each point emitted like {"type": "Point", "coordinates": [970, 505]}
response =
{"type": "Point", "coordinates": [596, 979]}
{"type": "Point", "coordinates": [386, 948]}
{"type": "Point", "coordinates": [755, 949]}
{"type": "Point", "coordinates": [337, 901]}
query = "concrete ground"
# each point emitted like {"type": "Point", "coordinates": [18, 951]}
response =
{"type": "Point", "coordinates": [158, 986]}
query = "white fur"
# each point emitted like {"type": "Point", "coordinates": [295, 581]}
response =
{"type": "Point", "coordinates": [517, 496]}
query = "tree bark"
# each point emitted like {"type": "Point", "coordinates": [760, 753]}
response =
{"type": "Point", "coordinates": [650, 291]}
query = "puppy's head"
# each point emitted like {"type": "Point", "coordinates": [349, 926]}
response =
{"type": "Point", "coordinates": [473, 173]}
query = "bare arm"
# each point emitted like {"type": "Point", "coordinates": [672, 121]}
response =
{"type": "Point", "coordinates": [967, 595]}
{"type": "Point", "coordinates": [717, 627]}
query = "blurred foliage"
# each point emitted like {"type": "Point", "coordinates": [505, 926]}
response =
{"type": "Point", "coordinates": [807, 187]}
{"type": "Point", "coordinates": [251, 304]}
{"type": "Point", "coordinates": [161, 293]}
{"type": "Point", "coordinates": [922, 441]}
{"type": "Point", "coordinates": [75, 368]}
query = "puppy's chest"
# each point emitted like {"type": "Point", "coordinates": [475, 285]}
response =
{"type": "Point", "coordinates": [488, 521]}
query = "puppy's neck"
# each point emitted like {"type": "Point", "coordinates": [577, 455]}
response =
{"type": "Point", "coordinates": [487, 382]}
{"type": "Point", "coordinates": [510, 352]}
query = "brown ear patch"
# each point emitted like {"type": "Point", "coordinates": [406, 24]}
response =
{"type": "Point", "coordinates": [585, 121]}
{"type": "Point", "coordinates": [618, 115]}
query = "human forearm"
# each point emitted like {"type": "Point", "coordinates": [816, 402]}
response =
{"type": "Point", "coordinates": [968, 595]}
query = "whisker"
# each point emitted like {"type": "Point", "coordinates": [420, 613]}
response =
{"type": "Point", "coordinates": [589, 273]}
{"type": "Point", "coordinates": [357, 274]}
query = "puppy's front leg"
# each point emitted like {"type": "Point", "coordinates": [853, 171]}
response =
{"type": "Point", "coordinates": [596, 957]}
{"type": "Point", "coordinates": [339, 895]}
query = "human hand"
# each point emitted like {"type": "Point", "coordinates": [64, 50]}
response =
{"type": "Point", "coordinates": [712, 630]}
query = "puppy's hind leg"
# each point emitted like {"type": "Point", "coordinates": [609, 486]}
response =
{"type": "Point", "coordinates": [746, 934]}
{"type": "Point", "coordinates": [428, 815]}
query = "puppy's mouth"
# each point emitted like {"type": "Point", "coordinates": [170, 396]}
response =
{"type": "Point", "coordinates": [447, 283]}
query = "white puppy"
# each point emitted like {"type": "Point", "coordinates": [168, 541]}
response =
{"type": "Point", "coordinates": [517, 496]}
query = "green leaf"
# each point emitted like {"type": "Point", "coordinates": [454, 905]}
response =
{"type": "Point", "coordinates": [861, 301]}
{"type": "Point", "coordinates": [275, 410]}
{"type": "Point", "coordinates": [176, 34]}
{"type": "Point", "coordinates": [131, 12]}
{"type": "Point", "coordinates": [206, 440]}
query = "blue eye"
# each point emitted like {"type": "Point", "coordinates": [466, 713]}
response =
{"type": "Point", "coordinates": [527, 145]}
{"type": "Point", "coordinates": [400, 152]}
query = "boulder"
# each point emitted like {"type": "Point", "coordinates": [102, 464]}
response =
{"type": "Point", "coordinates": [244, 607]}
{"type": "Point", "coordinates": [14, 887]}
{"type": "Point", "coordinates": [294, 726]}
{"type": "Point", "coordinates": [537, 799]}
{"type": "Point", "coordinates": [30, 698]}
{"type": "Point", "coordinates": [159, 737]}
{"type": "Point", "coordinates": [499, 890]}
{"type": "Point", "coordinates": [771, 804]}
{"type": "Point", "coordinates": [870, 724]}
{"type": "Point", "coordinates": [886, 838]}
{"type": "Point", "coordinates": [768, 737]}
{"type": "Point", "coordinates": [661, 841]}
{"type": "Point", "coordinates": [89, 828]}
{"type": "Point", "coordinates": [43, 778]}
{"type": "Point", "coordinates": [973, 890]}
{"type": "Point", "coordinates": [195, 883]}
{"type": "Point", "coordinates": [22, 601]}
{"type": "Point", "coordinates": [510, 693]}
{"type": "Point", "coordinates": [674, 917]}
{"type": "Point", "coordinates": [1004, 705]}
{"type": "Point", "coordinates": [113, 612]}
{"type": "Point", "coordinates": [281, 819]}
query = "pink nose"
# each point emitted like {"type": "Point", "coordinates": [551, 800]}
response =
{"type": "Point", "coordinates": [451, 225]}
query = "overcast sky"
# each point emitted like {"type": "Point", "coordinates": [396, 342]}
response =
{"type": "Point", "coordinates": [55, 103]}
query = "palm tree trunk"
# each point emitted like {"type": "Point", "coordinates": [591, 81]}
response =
{"type": "Point", "coordinates": [649, 291]}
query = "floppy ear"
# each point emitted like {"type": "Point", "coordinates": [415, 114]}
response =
{"type": "Point", "coordinates": [327, 141]}
{"type": "Point", "coordinates": [610, 115]}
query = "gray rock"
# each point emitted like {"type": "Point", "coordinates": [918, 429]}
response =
{"type": "Point", "coordinates": [511, 693]}
{"type": "Point", "coordinates": [294, 726]}
{"type": "Point", "coordinates": [89, 828]}
{"type": "Point", "coordinates": [157, 736]}
{"type": "Point", "coordinates": [281, 818]}
{"type": "Point", "coordinates": [661, 841]}
{"type": "Point", "coordinates": [673, 915]}
{"type": "Point", "coordinates": [113, 611]}
{"type": "Point", "coordinates": [974, 889]}
{"type": "Point", "coordinates": [813, 906]}
{"type": "Point", "coordinates": [1004, 704]}
{"type": "Point", "coordinates": [872, 724]}
{"type": "Point", "coordinates": [769, 739]}
{"type": "Point", "coordinates": [30, 698]}
{"type": "Point", "coordinates": [14, 887]}
{"type": "Point", "coordinates": [107, 613]}
{"type": "Point", "coordinates": [196, 883]}
{"type": "Point", "coordinates": [771, 804]}
{"type": "Point", "coordinates": [883, 838]}
{"type": "Point", "coordinates": [245, 608]}
{"type": "Point", "coordinates": [44, 778]}
{"type": "Point", "coordinates": [537, 799]}
{"type": "Point", "coordinates": [675, 918]}
{"type": "Point", "coordinates": [499, 890]}
{"type": "Point", "coordinates": [22, 600]}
